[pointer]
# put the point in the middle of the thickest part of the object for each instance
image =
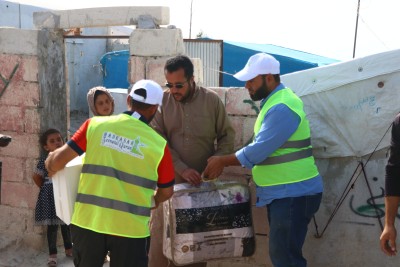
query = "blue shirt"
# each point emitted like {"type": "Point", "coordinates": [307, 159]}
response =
{"type": "Point", "coordinates": [279, 124]}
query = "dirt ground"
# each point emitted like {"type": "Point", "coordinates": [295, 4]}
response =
{"type": "Point", "coordinates": [15, 254]}
{"type": "Point", "coordinates": [27, 257]}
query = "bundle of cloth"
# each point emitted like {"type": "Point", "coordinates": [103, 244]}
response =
{"type": "Point", "coordinates": [212, 221]}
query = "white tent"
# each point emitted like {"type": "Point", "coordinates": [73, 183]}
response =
{"type": "Point", "coordinates": [350, 104]}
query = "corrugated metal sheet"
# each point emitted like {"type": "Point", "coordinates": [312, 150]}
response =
{"type": "Point", "coordinates": [210, 52]}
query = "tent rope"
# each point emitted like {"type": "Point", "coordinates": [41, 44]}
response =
{"type": "Point", "coordinates": [372, 197]}
{"type": "Point", "coordinates": [350, 186]}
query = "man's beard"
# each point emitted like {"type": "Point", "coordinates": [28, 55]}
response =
{"type": "Point", "coordinates": [187, 95]}
{"type": "Point", "coordinates": [261, 92]}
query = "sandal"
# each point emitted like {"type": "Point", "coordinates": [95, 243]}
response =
{"type": "Point", "coordinates": [52, 262]}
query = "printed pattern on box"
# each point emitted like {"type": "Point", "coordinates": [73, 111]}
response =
{"type": "Point", "coordinates": [209, 222]}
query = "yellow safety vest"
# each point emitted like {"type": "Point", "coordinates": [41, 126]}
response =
{"type": "Point", "coordinates": [119, 176]}
{"type": "Point", "coordinates": [293, 161]}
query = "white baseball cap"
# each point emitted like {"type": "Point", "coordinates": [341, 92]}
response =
{"type": "Point", "coordinates": [148, 92]}
{"type": "Point", "coordinates": [258, 64]}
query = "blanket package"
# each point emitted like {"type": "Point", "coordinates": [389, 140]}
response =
{"type": "Point", "coordinates": [65, 188]}
{"type": "Point", "coordinates": [209, 222]}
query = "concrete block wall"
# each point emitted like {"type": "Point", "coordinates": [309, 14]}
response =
{"type": "Point", "coordinates": [20, 94]}
{"type": "Point", "coordinates": [32, 99]}
{"type": "Point", "coordinates": [98, 17]}
{"type": "Point", "coordinates": [148, 57]}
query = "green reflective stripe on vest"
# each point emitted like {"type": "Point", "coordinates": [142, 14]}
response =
{"type": "Point", "coordinates": [301, 154]}
{"type": "Point", "coordinates": [119, 176]}
{"type": "Point", "coordinates": [293, 161]}
{"type": "Point", "coordinates": [112, 204]}
{"type": "Point", "coordinates": [123, 176]}
{"type": "Point", "coordinates": [297, 144]}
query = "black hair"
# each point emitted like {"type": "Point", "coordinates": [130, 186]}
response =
{"type": "Point", "coordinates": [98, 93]}
{"type": "Point", "coordinates": [45, 135]}
{"type": "Point", "coordinates": [139, 105]}
{"type": "Point", "coordinates": [180, 62]}
{"type": "Point", "coordinates": [277, 78]}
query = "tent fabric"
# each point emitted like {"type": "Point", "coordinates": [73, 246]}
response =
{"type": "Point", "coordinates": [287, 52]}
{"type": "Point", "coordinates": [236, 54]}
{"type": "Point", "coordinates": [350, 105]}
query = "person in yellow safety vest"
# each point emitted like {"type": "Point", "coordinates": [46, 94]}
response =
{"type": "Point", "coordinates": [280, 156]}
{"type": "Point", "coordinates": [127, 170]}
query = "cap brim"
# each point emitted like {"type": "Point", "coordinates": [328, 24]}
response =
{"type": "Point", "coordinates": [244, 75]}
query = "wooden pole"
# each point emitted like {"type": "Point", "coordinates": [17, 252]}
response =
{"type": "Point", "coordinates": [355, 35]}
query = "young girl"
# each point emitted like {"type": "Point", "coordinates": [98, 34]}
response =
{"type": "Point", "coordinates": [100, 101]}
{"type": "Point", "coordinates": [45, 212]}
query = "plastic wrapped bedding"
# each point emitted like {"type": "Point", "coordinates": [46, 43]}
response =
{"type": "Point", "coordinates": [209, 222]}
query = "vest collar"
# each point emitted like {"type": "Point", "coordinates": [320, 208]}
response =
{"type": "Point", "coordinates": [278, 88]}
{"type": "Point", "coordinates": [136, 115]}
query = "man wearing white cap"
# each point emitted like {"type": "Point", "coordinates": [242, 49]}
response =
{"type": "Point", "coordinates": [127, 170]}
{"type": "Point", "coordinates": [280, 157]}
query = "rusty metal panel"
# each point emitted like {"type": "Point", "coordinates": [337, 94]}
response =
{"type": "Point", "coordinates": [210, 52]}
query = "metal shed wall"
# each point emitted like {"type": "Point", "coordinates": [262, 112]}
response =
{"type": "Point", "coordinates": [210, 52]}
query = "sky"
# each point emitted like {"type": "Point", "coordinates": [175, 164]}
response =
{"type": "Point", "coordinates": [322, 27]}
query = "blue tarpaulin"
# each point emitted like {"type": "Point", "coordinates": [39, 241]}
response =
{"type": "Point", "coordinates": [236, 54]}
{"type": "Point", "coordinates": [115, 69]}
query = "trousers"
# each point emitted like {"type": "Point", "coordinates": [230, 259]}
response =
{"type": "Point", "coordinates": [90, 249]}
{"type": "Point", "coordinates": [52, 237]}
{"type": "Point", "coordinates": [288, 221]}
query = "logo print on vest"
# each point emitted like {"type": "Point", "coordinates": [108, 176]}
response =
{"type": "Point", "coordinates": [123, 144]}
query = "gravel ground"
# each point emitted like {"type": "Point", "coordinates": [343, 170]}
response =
{"type": "Point", "coordinates": [15, 254]}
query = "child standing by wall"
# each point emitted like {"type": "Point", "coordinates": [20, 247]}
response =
{"type": "Point", "coordinates": [45, 212]}
{"type": "Point", "coordinates": [100, 101]}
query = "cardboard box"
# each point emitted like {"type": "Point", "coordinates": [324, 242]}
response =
{"type": "Point", "coordinates": [65, 186]}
